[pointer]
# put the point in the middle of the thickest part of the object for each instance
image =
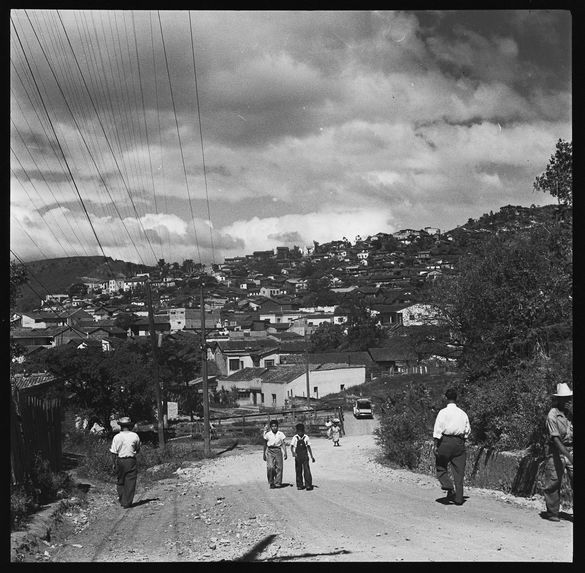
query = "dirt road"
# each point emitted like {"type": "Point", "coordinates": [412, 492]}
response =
{"type": "Point", "coordinates": [222, 509]}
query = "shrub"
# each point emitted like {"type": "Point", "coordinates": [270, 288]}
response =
{"type": "Point", "coordinates": [507, 410]}
{"type": "Point", "coordinates": [406, 423]}
{"type": "Point", "coordinates": [21, 506]}
{"type": "Point", "coordinates": [42, 486]}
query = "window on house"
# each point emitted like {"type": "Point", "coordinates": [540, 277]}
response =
{"type": "Point", "coordinates": [316, 389]}
{"type": "Point", "coordinates": [341, 387]}
{"type": "Point", "coordinates": [269, 363]}
{"type": "Point", "coordinates": [262, 397]}
{"type": "Point", "coordinates": [274, 399]}
{"type": "Point", "coordinates": [234, 364]}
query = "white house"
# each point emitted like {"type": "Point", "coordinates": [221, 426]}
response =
{"type": "Point", "coordinates": [420, 314]}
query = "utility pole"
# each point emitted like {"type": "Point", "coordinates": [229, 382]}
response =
{"type": "Point", "coordinates": [159, 410]}
{"type": "Point", "coordinates": [206, 442]}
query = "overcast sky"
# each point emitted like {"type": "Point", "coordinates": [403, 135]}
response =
{"type": "Point", "coordinates": [315, 126]}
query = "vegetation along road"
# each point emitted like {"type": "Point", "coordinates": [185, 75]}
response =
{"type": "Point", "coordinates": [222, 509]}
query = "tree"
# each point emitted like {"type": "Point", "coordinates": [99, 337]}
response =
{"type": "Point", "coordinates": [557, 179]}
{"type": "Point", "coordinates": [18, 277]}
{"type": "Point", "coordinates": [506, 297]}
{"type": "Point", "coordinates": [124, 320]}
{"type": "Point", "coordinates": [77, 290]}
{"type": "Point", "coordinates": [105, 383]}
{"type": "Point", "coordinates": [327, 337]}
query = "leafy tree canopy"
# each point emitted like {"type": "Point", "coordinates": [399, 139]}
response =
{"type": "Point", "coordinates": [557, 179]}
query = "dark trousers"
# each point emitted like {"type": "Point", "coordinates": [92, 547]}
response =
{"type": "Point", "coordinates": [451, 451]}
{"type": "Point", "coordinates": [274, 466]}
{"type": "Point", "coordinates": [302, 467]}
{"type": "Point", "coordinates": [554, 468]}
{"type": "Point", "coordinates": [126, 484]}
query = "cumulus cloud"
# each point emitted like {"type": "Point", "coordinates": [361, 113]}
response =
{"type": "Point", "coordinates": [314, 125]}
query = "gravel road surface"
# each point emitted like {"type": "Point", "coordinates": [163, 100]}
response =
{"type": "Point", "coordinates": [222, 509]}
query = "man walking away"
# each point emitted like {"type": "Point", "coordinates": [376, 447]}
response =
{"type": "Point", "coordinates": [274, 449]}
{"type": "Point", "coordinates": [125, 446]}
{"type": "Point", "coordinates": [300, 446]}
{"type": "Point", "coordinates": [559, 454]}
{"type": "Point", "coordinates": [449, 434]}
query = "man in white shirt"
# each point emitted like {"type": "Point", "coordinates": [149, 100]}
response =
{"type": "Point", "coordinates": [125, 446]}
{"type": "Point", "coordinates": [274, 450]}
{"type": "Point", "coordinates": [449, 434]}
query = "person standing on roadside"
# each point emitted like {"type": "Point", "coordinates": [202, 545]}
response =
{"type": "Point", "coordinates": [300, 446]}
{"type": "Point", "coordinates": [451, 430]}
{"type": "Point", "coordinates": [559, 451]}
{"type": "Point", "coordinates": [125, 446]}
{"type": "Point", "coordinates": [335, 432]}
{"type": "Point", "coordinates": [274, 451]}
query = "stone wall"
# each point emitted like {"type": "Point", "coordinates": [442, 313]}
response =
{"type": "Point", "coordinates": [518, 473]}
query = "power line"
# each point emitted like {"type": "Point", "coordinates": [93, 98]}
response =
{"type": "Point", "coordinates": [144, 116]}
{"type": "Point", "coordinates": [105, 136]}
{"type": "Point", "coordinates": [201, 137]}
{"type": "Point", "coordinates": [179, 135]}
{"type": "Point", "coordinates": [61, 149]}
{"type": "Point", "coordinates": [31, 239]}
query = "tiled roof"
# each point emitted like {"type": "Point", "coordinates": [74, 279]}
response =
{"type": "Point", "coordinates": [245, 374]}
{"type": "Point", "coordinates": [249, 344]}
{"type": "Point", "coordinates": [23, 382]}
{"type": "Point", "coordinates": [350, 358]}
{"type": "Point", "coordinates": [283, 374]}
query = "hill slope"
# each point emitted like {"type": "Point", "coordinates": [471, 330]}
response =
{"type": "Point", "coordinates": [55, 276]}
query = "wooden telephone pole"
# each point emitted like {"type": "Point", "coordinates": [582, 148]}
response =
{"type": "Point", "coordinates": [206, 440]}
{"type": "Point", "coordinates": [159, 409]}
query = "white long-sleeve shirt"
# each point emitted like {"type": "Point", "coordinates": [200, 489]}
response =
{"type": "Point", "coordinates": [451, 421]}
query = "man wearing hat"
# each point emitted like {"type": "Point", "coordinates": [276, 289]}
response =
{"type": "Point", "coordinates": [559, 451]}
{"type": "Point", "coordinates": [125, 446]}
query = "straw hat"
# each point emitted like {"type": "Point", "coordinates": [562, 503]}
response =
{"type": "Point", "coordinates": [563, 391]}
{"type": "Point", "coordinates": [125, 421]}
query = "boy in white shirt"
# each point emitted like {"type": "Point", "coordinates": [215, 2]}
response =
{"type": "Point", "coordinates": [274, 450]}
{"type": "Point", "coordinates": [300, 446]}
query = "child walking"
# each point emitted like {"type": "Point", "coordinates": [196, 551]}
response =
{"type": "Point", "coordinates": [301, 450]}
{"type": "Point", "coordinates": [335, 432]}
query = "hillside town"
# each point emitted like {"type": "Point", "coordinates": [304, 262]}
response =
{"type": "Point", "coordinates": [261, 309]}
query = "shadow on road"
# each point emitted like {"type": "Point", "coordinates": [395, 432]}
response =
{"type": "Point", "coordinates": [446, 501]}
{"type": "Point", "coordinates": [143, 501]}
{"type": "Point", "coordinates": [264, 543]}
{"type": "Point", "coordinates": [257, 549]}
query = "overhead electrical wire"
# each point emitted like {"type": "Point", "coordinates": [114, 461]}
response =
{"type": "Point", "coordinates": [201, 137]}
{"type": "Point", "coordinates": [179, 136]}
{"type": "Point", "coordinates": [145, 123]}
{"type": "Point", "coordinates": [33, 203]}
{"type": "Point", "coordinates": [162, 164]}
{"type": "Point", "coordinates": [64, 211]}
{"type": "Point", "coordinates": [106, 138]}
{"type": "Point", "coordinates": [30, 238]}
{"type": "Point", "coordinates": [51, 308]}
{"type": "Point", "coordinates": [61, 149]}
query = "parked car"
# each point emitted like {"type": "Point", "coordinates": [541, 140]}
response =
{"type": "Point", "coordinates": [363, 408]}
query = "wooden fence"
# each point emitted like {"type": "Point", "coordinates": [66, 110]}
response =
{"type": "Point", "coordinates": [35, 428]}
